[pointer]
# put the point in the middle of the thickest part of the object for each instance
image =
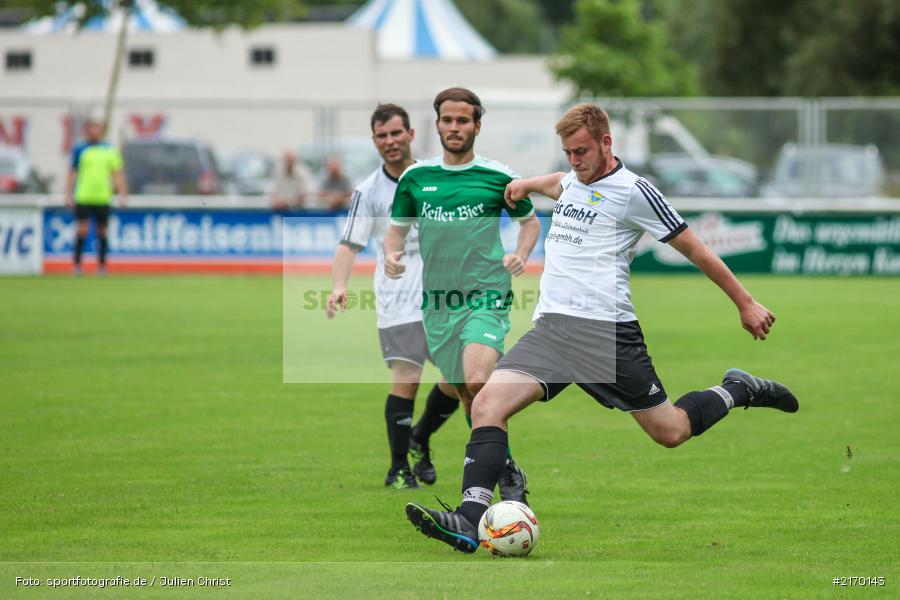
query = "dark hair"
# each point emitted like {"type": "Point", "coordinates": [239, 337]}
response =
{"type": "Point", "coordinates": [385, 112]}
{"type": "Point", "coordinates": [459, 94]}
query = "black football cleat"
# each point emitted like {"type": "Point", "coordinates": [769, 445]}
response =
{"type": "Point", "coordinates": [401, 479]}
{"type": "Point", "coordinates": [513, 483]}
{"type": "Point", "coordinates": [423, 467]}
{"type": "Point", "coordinates": [764, 392]}
{"type": "Point", "coordinates": [449, 527]}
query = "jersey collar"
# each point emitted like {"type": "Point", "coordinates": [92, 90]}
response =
{"type": "Point", "coordinates": [462, 167]}
{"type": "Point", "coordinates": [388, 175]}
{"type": "Point", "coordinates": [615, 170]}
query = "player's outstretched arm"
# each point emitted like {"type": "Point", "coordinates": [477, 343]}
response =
{"type": "Point", "coordinates": [344, 257]}
{"type": "Point", "coordinates": [394, 241]}
{"type": "Point", "coordinates": [529, 230]}
{"type": "Point", "coordinates": [547, 185]}
{"type": "Point", "coordinates": [755, 317]}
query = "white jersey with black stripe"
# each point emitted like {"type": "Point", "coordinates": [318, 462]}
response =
{"type": "Point", "coordinates": [591, 243]}
{"type": "Point", "coordinates": [397, 301]}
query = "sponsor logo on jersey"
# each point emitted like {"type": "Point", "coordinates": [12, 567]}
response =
{"type": "Point", "coordinates": [429, 188]}
{"type": "Point", "coordinates": [576, 212]}
{"type": "Point", "coordinates": [460, 213]}
{"type": "Point", "coordinates": [596, 198]}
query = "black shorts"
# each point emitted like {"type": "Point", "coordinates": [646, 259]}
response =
{"type": "Point", "coordinates": [404, 342]}
{"type": "Point", "coordinates": [607, 360]}
{"type": "Point", "coordinates": [100, 213]}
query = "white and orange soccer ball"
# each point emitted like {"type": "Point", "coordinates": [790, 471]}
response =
{"type": "Point", "coordinates": [508, 529]}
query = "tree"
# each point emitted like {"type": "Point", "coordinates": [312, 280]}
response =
{"type": "Point", "coordinates": [789, 47]}
{"type": "Point", "coordinates": [854, 50]}
{"type": "Point", "coordinates": [557, 12]}
{"type": "Point", "coordinates": [511, 26]}
{"type": "Point", "coordinates": [612, 50]}
{"type": "Point", "coordinates": [200, 13]}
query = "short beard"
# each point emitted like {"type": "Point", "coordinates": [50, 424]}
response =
{"type": "Point", "coordinates": [404, 157]}
{"type": "Point", "coordinates": [467, 145]}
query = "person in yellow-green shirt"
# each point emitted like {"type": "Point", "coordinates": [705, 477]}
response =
{"type": "Point", "coordinates": [95, 167]}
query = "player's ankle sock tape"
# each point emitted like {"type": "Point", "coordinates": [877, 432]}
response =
{"type": "Point", "coordinates": [704, 409]}
{"type": "Point", "coordinates": [398, 414]}
{"type": "Point", "coordinates": [485, 459]}
{"type": "Point", "coordinates": [739, 391]}
{"type": "Point", "coordinates": [438, 408]}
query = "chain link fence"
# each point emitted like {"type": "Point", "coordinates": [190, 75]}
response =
{"type": "Point", "coordinates": [691, 147]}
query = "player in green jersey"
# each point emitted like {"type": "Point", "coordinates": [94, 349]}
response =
{"type": "Point", "coordinates": [95, 167]}
{"type": "Point", "coordinates": [457, 200]}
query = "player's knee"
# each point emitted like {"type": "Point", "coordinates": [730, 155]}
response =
{"type": "Point", "coordinates": [487, 408]}
{"type": "Point", "coordinates": [405, 390]}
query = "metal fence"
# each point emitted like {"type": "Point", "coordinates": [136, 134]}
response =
{"type": "Point", "coordinates": [692, 147]}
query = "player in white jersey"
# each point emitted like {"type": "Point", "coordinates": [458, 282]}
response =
{"type": "Point", "coordinates": [586, 331]}
{"type": "Point", "coordinates": [398, 301]}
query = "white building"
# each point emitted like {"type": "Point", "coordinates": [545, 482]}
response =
{"type": "Point", "coordinates": [270, 88]}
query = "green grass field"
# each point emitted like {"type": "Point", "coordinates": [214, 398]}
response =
{"type": "Point", "coordinates": [146, 432]}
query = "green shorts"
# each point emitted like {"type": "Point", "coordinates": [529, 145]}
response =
{"type": "Point", "coordinates": [447, 339]}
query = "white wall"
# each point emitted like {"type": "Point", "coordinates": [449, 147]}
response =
{"type": "Point", "coordinates": [314, 62]}
{"type": "Point", "coordinates": [204, 86]}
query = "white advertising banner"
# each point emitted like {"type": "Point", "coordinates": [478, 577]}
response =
{"type": "Point", "coordinates": [21, 241]}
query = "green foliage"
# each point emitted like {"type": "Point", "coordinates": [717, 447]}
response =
{"type": "Point", "coordinates": [557, 12]}
{"type": "Point", "coordinates": [854, 50]}
{"type": "Point", "coordinates": [511, 26]}
{"type": "Point", "coordinates": [788, 47]}
{"type": "Point", "coordinates": [201, 13]}
{"type": "Point", "coordinates": [612, 50]}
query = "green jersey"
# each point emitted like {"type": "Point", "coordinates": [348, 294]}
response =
{"type": "Point", "coordinates": [458, 210]}
{"type": "Point", "coordinates": [95, 164]}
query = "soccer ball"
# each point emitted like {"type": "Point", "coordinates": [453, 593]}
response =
{"type": "Point", "coordinates": [508, 529]}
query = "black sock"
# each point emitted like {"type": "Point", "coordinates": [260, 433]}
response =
{"type": "Point", "coordinates": [101, 253]}
{"type": "Point", "coordinates": [438, 409]}
{"type": "Point", "coordinates": [398, 414]}
{"type": "Point", "coordinates": [704, 409]}
{"type": "Point", "coordinates": [738, 391]}
{"type": "Point", "coordinates": [485, 458]}
{"type": "Point", "coordinates": [79, 245]}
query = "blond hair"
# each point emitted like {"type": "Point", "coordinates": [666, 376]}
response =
{"type": "Point", "coordinates": [589, 116]}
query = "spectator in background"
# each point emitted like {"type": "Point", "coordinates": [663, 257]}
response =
{"type": "Point", "coordinates": [95, 167]}
{"type": "Point", "coordinates": [289, 188]}
{"type": "Point", "coordinates": [336, 187]}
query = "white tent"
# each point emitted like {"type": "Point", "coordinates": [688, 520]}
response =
{"type": "Point", "coordinates": [147, 16]}
{"type": "Point", "coordinates": [430, 29]}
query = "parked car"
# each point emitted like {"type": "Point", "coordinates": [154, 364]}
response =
{"type": "Point", "coordinates": [17, 175]}
{"type": "Point", "coordinates": [248, 172]}
{"type": "Point", "coordinates": [167, 166]}
{"type": "Point", "coordinates": [831, 170]}
{"type": "Point", "coordinates": [703, 176]}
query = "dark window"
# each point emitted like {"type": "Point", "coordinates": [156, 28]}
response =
{"type": "Point", "coordinates": [140, 58]}
{"type": "Point", "coordinates": [262, 56]}
{"type": "Point", "coordinates": [18, 60]}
